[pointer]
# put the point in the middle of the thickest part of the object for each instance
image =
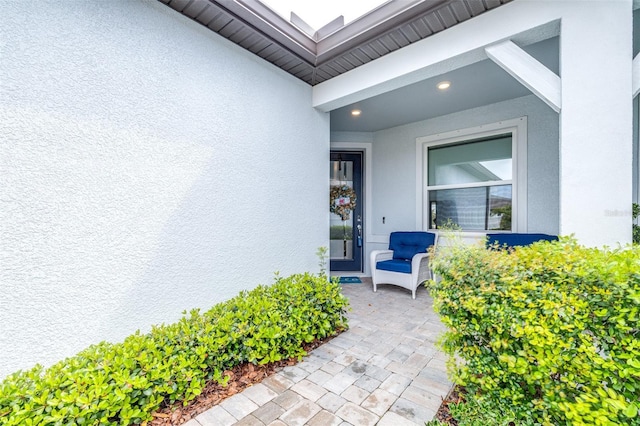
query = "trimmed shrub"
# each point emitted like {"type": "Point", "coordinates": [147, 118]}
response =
{"type": "Point", "coordinates": [124, 383]}
{"type": "Point", "coordinates": [552, 329]}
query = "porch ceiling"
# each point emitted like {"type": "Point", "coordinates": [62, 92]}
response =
{"type": "Point", "coordinates": [482, 83]}
{"type": "Point", "coordinates": [328, 53]}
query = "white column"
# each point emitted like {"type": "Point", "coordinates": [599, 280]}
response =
{"type": "Point", "coordinates": [596, 122]}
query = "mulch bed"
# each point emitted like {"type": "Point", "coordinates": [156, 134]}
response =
{"type": "Point", "coordinates": [454, 397]}
{"type": "Point", "coordinates": [240, 378]}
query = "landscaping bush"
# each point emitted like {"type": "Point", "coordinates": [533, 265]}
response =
{"type": "Point", "coordinates": [124, 383]}
{"type": "Point", "coordinates": [551, 329]}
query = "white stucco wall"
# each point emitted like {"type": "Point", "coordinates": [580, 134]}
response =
{"type": "Point", "coordinates": [394, 165]}
{"type": "Point", "coordinates": [147, 166]}
{"type": "Point", "coordinates": [394, 152]}
{"type": "Point", "coordinates": [636, 151]}
{"type": "Point", "coordinates": [596, 123]}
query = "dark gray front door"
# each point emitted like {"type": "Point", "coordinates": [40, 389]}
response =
{"type": "Point", "coordinates": [346, 234]}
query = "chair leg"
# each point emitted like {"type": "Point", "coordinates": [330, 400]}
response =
{"type": "Point", "coordinates": [413, 293]}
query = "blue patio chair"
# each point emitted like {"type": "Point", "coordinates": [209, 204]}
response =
{"type": "Point", "coordinates": [406, 263]}
{"type": "Point", "coordinates": [511, 240]}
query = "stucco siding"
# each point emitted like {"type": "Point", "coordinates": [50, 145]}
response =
{"type": "Point", "coordinates": [147, 167]}
{"type": "Point", "coordinates": [394, 163]}
{"type": "Point", "coordinates": [636, 151]}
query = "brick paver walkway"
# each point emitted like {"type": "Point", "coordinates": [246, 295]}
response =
{"type": "Point", "coordinates": [384, 370]}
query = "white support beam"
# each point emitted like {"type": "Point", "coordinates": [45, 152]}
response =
{"type": "Point", "coordinates": [542, 82]}
{"type": "Point", "coordinates": [525, 22]}
{"type": "Point", "coordinates": [636, 75]}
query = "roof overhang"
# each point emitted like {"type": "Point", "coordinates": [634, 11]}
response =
{"type": "Point", "coordinates": [335, 48]}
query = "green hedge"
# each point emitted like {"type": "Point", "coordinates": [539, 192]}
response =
{"type": "Point", "coordinates": [552, 329]}
{"type": "Point", "coordinates": [123, 383]}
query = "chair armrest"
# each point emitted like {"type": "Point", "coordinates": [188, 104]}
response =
{"type": "Point", "coordinates": [420, 267]}
{"type": "Point", "coordinates": [417, 259]}
{"type": "Point", "coordinates": [379, 255]}
{"type": "Point", "coordinates": [376, 256]}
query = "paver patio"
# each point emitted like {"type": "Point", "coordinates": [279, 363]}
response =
{"type": "Point", "coordinates": [384, 370]}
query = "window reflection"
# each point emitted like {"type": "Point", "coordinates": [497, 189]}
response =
{"type": "Point", "coordinates": [472, 209]}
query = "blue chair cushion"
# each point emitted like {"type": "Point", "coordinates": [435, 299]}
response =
{"type": "Point", "coordinates": [395, 265]}
{"type": "Point", "coordinates": [516, 239]}
{"type": "Point", "coordinates": [405, 245]}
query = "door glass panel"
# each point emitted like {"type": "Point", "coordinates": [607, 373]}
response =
{"type": "Point", "coordinates": [472, 209]}
{"type": "Point", "coordinates": [341, 231]}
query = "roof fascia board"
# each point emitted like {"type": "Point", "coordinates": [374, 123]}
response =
{"type": "Point", "coordinates": [265, 20]}
{"type": "Point", "coordinates": [301, 24]}
{"type": "Point", "coordinates": [381, 20]}
{"type": "Point", "coordinates": [456, 47]}
{"type": "Point", "coordinates": [330, 28]}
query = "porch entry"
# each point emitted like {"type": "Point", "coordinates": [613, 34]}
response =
{"type": "Point", "coordinates": [346, 226]}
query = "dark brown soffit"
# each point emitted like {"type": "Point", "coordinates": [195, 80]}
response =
{"type": "Point", "coordinates": [314, 59]}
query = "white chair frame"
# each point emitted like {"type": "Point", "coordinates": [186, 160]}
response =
{"type": "Point", "coordinates": [420, 270]}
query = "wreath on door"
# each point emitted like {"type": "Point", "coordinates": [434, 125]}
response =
{"type": "Point", "coordinates": [342, 201]}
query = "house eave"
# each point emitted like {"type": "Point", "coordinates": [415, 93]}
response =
{"type": "Point", "coordinates": [320, 57]}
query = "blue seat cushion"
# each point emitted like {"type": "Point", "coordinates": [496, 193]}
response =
{"type": "Point", "coordinates": [395, 265]}
{"type": "Point", "coordinates": [517, 239]}
{"type": "Point", "coordinates": [405, 245]}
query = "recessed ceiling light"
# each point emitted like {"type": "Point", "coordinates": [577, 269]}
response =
{"type": "Point", "coordinates": [444, 85]}
{"type": "Point", "coordinates": [356, 112]}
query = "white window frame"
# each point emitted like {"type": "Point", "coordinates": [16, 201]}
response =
{"type": "Point", "coordinates": [517, 128]}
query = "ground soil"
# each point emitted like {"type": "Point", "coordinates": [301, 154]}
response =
{"type": "Point", "coordinates": [240, 377]}
{"type": "Point", "coordinates": [455, 396]}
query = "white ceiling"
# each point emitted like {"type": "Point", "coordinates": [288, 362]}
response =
{"type": "Point", "coordinates": [475, 85]}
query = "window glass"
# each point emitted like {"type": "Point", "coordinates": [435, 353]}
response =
{"type": "Point", "coordinates": [341, 231]}
{"type": "Point", "coordinates": [470, 162]}
{"type": "Point", "coordinates": [472, 209]}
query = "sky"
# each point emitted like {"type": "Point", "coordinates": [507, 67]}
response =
{"type": "Point", "coordinates": [318, 13]}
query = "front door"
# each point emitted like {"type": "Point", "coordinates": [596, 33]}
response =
{"type": "Point", "coordinates": [346, 232]}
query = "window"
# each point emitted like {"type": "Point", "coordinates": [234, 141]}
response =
{"type": "Point", "coordinates": [474, 178]}
{"type": "Point", "coordinates": [469, 184]}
